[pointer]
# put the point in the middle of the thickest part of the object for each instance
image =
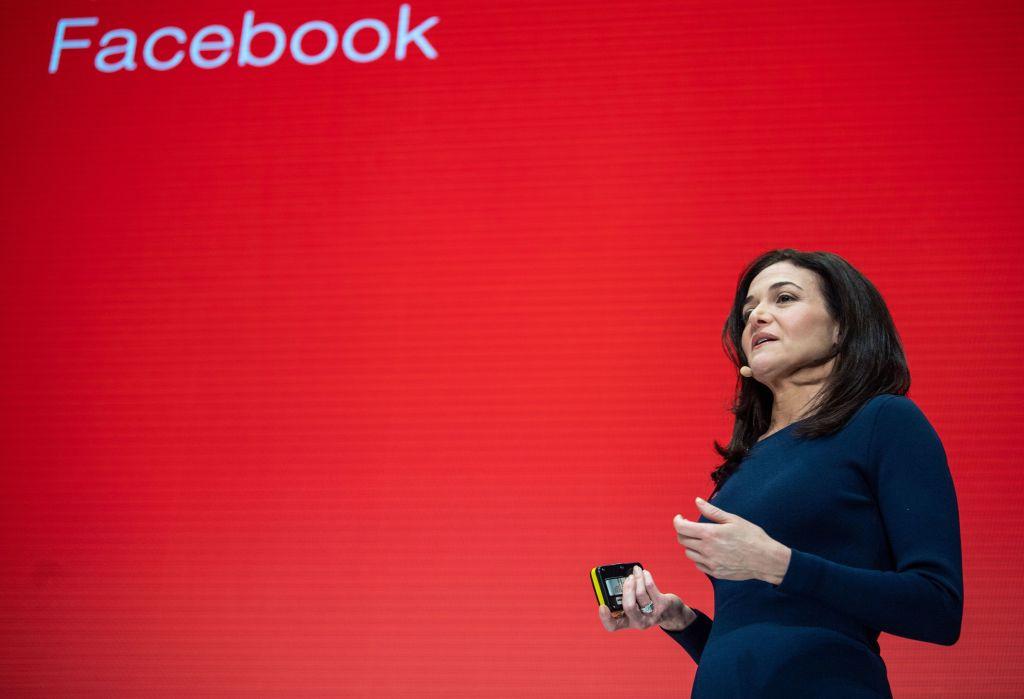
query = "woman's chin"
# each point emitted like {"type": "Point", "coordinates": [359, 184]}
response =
{"type": "Point", "coordinates": [763, 371]}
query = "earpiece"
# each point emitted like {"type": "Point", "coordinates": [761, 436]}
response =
{"type": "Point", "coordinates": [746, 371]}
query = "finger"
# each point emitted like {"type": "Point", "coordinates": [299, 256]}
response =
{"type": "Point", "coordinates": [628, 592]}
{"type": "Point", "coordinates": [609, 622]}
{"type": "Point", "coordinates": [629, 603]}
{"type": "Point", "coordinates": [687, 527]}
{"type": "Point", "coordinates": [695, 556]}
{"type": "Point", "coordinates": [688, 541]}
{"type": "Point", "coordinates": [652, 589]}
{"type": "Point", "coordinates": [699, 560]}
{"type": "Point", "coordinates": [691, 543]}
{"type": "Point", "coordinates": [642, 598]}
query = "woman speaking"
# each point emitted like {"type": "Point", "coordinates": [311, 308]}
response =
{"type": "Point", "coordinates": [834, 515]}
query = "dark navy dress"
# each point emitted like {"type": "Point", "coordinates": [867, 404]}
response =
{"type": "Point", "coordinates": [871, 516]}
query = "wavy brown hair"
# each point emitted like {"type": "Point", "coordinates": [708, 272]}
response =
{"type": "Point", "coordinates": [869, 358]}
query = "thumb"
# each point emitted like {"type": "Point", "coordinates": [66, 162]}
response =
{"type": "Point", "coordinates": [713, 513]}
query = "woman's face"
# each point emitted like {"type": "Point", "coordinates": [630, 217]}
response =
{"type": "Point", "coordinates": [785, 302]}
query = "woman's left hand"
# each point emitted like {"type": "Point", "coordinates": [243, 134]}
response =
{"type": "Point", "coordinates": [730, 547]}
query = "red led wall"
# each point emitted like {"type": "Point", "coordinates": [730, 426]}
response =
{"type": "Point", "coordinates": [337, 379]}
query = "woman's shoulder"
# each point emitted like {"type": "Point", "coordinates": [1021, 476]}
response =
{"type": "Point", "coordinates": [891, 407]}
{"type": "Point", "coordinates": [885, 413]}
{"type": "Point", "coordinates": [893, 418]}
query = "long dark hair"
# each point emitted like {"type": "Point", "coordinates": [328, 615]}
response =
{"type": "Point", "coordinates": [869, 358]}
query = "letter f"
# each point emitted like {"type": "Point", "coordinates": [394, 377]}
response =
{"type": "Point", "coordinates": [59, 44]}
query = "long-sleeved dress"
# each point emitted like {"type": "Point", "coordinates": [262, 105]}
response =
{"type": "Point", "coordinates": [871, 516]}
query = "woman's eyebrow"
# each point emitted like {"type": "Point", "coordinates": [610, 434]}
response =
{"type": "Point", "coordinates": [773, 286]}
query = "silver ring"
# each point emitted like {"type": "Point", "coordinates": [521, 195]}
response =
{"type": "Point", "coordinates": [648, 608]}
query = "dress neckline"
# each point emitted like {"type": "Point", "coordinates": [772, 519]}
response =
{"type": "Point", "coordinates": [776, 433]}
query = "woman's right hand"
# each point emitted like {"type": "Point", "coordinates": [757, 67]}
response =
{"type": "Point", "coordinates": [638, 590]}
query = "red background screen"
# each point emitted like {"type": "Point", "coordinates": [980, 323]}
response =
{"type": "Point", "coordinates": [339, 378]}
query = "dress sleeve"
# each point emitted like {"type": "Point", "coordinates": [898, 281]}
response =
{"type": "Point", "coordinates": [694, 636]}
{"type": "Point", "coordinates": [923, 598]}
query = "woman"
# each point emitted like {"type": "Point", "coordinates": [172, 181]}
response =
{"type": "Point", "coordinates": [834, 515]}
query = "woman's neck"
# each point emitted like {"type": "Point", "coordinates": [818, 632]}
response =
{"type": "Point", "coordinates": [793, 397]}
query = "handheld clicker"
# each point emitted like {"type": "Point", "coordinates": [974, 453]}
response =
{"type": "Point", "coordinates": [607, 581]}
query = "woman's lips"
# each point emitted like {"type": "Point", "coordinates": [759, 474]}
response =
{"type": "Point", "coordinates": [755, 347]}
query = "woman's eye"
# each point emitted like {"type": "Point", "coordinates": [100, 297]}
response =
{"type": "Point", "coordinates": [781, 297]}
